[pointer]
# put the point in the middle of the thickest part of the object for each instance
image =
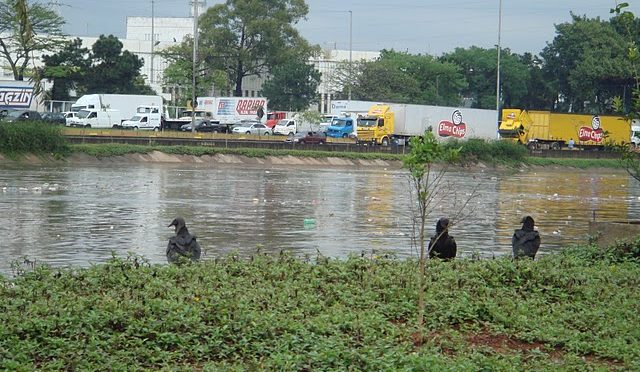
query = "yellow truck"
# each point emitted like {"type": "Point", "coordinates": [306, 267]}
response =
{"type": "Point", "coordinates": [397, 123]}
{"type": "Point", "coordinates": [551, 130]}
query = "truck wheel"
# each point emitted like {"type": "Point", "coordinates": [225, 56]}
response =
{"type": "Point", "coordinates": [345, 135]}
{"type": "Point", "coordinates": [266, 134]}
{"type": "Point", "coordinates": [215, 131]}
{"type": "Point", "coordinates": [532, 146]}
{"type": "Point", "coordinates": [156, 129]}
{"type": "Point", "coordinates": [290, 134]}
{"type": "Point", "coordinates": [555, 146]}
{"type": "Point", "coordinates": [88, 126]}
{"type": "Point", "coordinates": [248, 132]}
{"type": "Point", "coordinates": [385, 142]}
{"type": "Point", "coordinates": [135, 128]}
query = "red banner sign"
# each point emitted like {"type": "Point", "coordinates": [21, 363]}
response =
{"type": "Point", "coordinates": [447, 128]}
{"type": "Point", "coordinates": [590, 134]}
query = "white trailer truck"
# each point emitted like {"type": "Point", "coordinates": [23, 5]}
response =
{"type": "Point", "coordinates": [385, 123]}
{"type": "Point", "coordinates": [125, 104]}
{"type": "Point", "coordinates": [231, 110]}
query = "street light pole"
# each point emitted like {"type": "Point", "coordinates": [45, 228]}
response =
{"type": "Point", "coordinates": [195, 56]}
{"type": "Point", "coordinates": [350, 52]}
{"type": "Point", "coordinates": [153, 40]}
{"type": "Point", "coordinates": [498, 67]}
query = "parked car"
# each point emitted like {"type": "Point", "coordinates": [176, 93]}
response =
{"type": "Point", "coordinates": [255, 128]}
{"type": "Point", "coordinates": [54, 117]}
{"type": "Point", "coordinates": [21, 115]}
{"type": "Point", "coordinates": [308, 137]}
{"type": "Point", "coordinates": [206, 126]}
{"type": "Point", "coordinates": [69, 115]}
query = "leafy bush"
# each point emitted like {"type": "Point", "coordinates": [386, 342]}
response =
{"type": "Point", "coordinates": [31, 137]}
{"type": "Point", "coordinates": [564, 311]}
{"type": "Point", "coordinates": [476, 149]}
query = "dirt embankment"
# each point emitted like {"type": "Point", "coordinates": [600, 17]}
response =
{"type": "Point", "coordinates": [204, 160]}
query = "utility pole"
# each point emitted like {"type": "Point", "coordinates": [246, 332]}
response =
{"type": "Point", "coordinates": [153, 40]}
{"type": "Point", "coordinates": [195, 62]}
{"type": "Point", "coordinates": [498, 68]}
{"type": "Point", "coordinates": [350, 52]}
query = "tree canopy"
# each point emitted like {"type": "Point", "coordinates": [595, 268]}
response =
{"type": "Point", "coordinates": [251, 37]}
{"type": "Point", "coordinates": [292, 86]}
{"type": "Point", "coordinates": [104, 69]}
{"type": "Point", "coordinates": [27, 28]}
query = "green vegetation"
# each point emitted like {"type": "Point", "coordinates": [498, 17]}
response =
{"type": "Point", "coordinates": [576, 310]}
{"type": "Point", "coordinates": [31, 137]}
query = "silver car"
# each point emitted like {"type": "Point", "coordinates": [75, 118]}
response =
{"type": "Point", "coordinates": [255, 128]}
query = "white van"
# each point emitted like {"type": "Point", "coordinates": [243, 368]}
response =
{"type": "Point", "coordinates": [286, 127]}
{"type": "Point", "coordinates": [146, 118]}
{"type": "Point", "coordinates": [96, 119]}
{"type": "Point", "coordinates": [635, 133]}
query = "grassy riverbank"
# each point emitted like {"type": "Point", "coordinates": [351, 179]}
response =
{"type": "Point", "coordinates": [576, 310]}
{"type": "Point", "coordinates": [46, 140]}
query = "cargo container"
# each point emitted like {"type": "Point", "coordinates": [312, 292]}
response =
{"type": "Point", "coordinates": [397, 123]}
{"type": "Point", "coordinates": [551, 130]}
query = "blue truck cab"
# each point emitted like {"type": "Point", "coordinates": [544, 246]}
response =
{"type": "Point", "coordinates": [341, 127]}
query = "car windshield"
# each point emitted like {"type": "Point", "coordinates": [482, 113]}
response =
{"type": "Point", "coordinates": [327, 118]}
{"type": "Point", "coordinates": [367, 122]}
{"type": "Point", "coordinates": [340, 122]}
{"type": "Point", "coordinates": [15, 114]}
{"type": "Point", "coordinates": [283, 122]}
{"type": "Point", "coordinates": [83, 113]}
{"type": "Point", "coordinates": [136, 118]}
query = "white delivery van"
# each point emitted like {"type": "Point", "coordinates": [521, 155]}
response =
{"type": "Point", "coordinates": [96, 119]}
{"type": "Point", "coordinates": [285, 127]}
{"type": "Point", "coordinates": [146, 118]}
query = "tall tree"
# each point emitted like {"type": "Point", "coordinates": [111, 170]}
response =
{"type": "Point", "coordinates": [480, 65]}
{"type": "Point", "coordinates": [587, 59]}
{"type": "Point", "coordinates": [249, 37]}
{"type": "Point", "coordinates": [26, 29]}
{"type": "Point", "coordinates": [115, 70]}
{"type": "Point", "coordinates": [178, 74]}
{"type": "Point", "coordinates": [292, 86]}
{"type": "Point", "coordinates": [67, 69]}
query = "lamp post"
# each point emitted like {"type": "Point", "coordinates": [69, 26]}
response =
{"type": "Point", "coordinates": [195, 56]}
{"type": "Point", "coordinates": [350, 51]}
{"type": "Point", "coordinates": [153, 39]}
{"type": "Point", "coordinates": [498, 67]}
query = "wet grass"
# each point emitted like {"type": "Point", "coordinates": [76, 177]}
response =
{"type": "Point", "coordinates": [32, 138]}
{"type": "Point", "coordinates": [576, 310]}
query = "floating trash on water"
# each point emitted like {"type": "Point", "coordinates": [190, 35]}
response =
{"type": "Point", "coordinates": [256, 200]}
{"type": "Point", "coordinates": [309, 223]}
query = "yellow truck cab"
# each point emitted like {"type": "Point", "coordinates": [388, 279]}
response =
{"type": "Point", "coordinates": [377, 126]}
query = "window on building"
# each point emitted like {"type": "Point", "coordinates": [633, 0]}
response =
{"type": "Point", "coordinates": [253, 93]}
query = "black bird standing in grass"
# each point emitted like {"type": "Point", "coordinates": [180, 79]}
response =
{"type": "Point", "coordinates": [183, 245]}
{"type": "Point", "coordinates": [442, 245]}
{"type": "Point", "coordinates": [525, 241]}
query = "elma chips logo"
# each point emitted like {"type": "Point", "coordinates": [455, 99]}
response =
{"type": "Point", "coordinates": [454, 128]}
{"type": "Point", "coordinates": [595, 133]}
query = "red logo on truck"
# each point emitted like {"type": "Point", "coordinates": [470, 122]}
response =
{"type": "Point", "coordinates": [595, 133]}
{"type": "Point", "coordinates": [249, 106]}
{"type": "Point", "coordinates": [454, 128]}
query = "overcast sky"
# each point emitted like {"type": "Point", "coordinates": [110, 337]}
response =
{"type": "Point", "coordinates": [417, 26]}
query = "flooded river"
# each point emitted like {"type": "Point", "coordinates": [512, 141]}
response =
{"type": "Point", "coordinates": [79, 215]}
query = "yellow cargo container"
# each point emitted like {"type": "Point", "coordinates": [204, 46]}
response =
{"type": "Point", "coordinates": [545, 129]}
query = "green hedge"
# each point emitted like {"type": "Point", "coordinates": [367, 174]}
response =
{"type": "Point", "coordinates": [31, 137]}
{"type": "Point", "coordinates": [576, 310]}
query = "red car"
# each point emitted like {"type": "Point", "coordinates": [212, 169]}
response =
{"type": "Point", "coordinates": [309, 137]}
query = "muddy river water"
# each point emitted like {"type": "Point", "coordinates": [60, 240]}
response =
{"type": "Point", "coordinates": [78, 215]}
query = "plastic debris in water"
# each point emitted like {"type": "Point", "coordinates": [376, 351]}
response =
{"type": "Point", "coordinates": [309, 223]}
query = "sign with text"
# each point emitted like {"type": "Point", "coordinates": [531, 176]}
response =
{"type": "Point", "coordinates": [16, 97]}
